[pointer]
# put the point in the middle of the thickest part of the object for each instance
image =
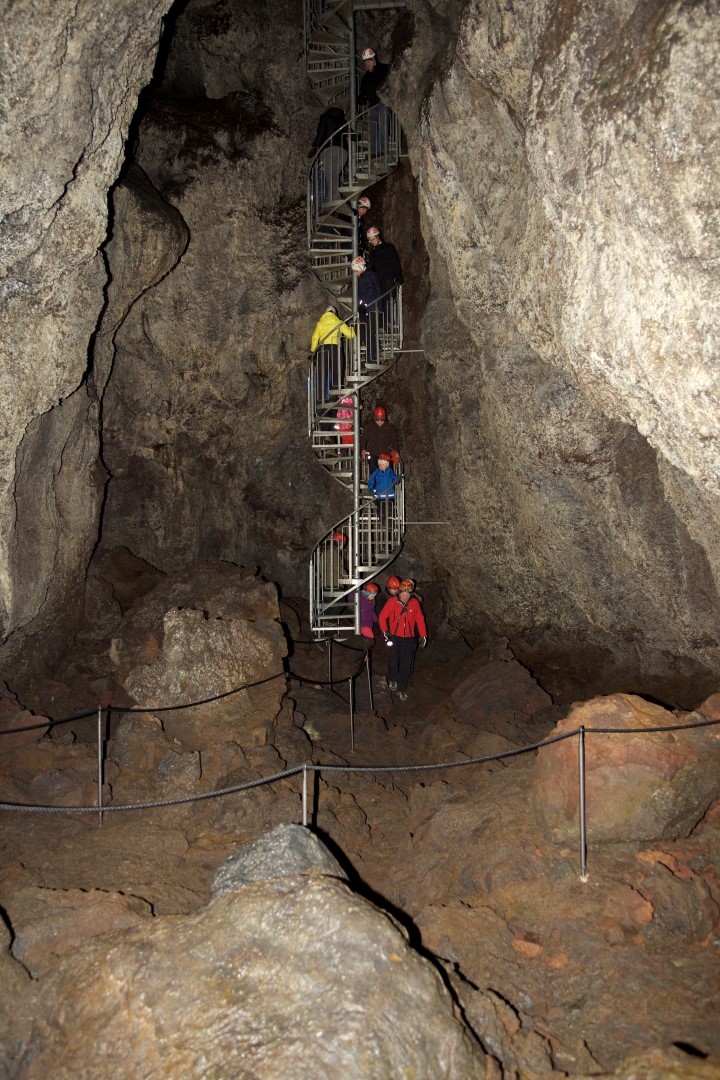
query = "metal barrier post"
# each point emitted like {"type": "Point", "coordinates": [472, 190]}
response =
{"type": "Point", "coordinates": [352, 712]}
{"type": "Point", "coordinates": [330, 645]}
{"type": "Point", "coordinates": [581, 804]}
{"type": "Point", "coordinates": [99, 763]}
{"type": "Point", "coordinates": [304, 797]}
{"type": "Point", "coordinates": [368, 665]}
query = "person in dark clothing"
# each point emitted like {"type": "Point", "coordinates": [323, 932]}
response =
{"type": "Point", "coordinates": [356, 219]}
{"type": "Point", "coordinates": [368, 296]}
{"type": "Point", "coordinates": [375, 75]}
{"type": "Point", "coordinates": [368, 618]}
{"type": "Point", "coordinates": [403, 625]}
{"type": "Point", "coordinates": [333, 156]}
{"type": "Point", "coordinates": [379, 437]}
{"type": "Point", "coordinates": [384, 260]}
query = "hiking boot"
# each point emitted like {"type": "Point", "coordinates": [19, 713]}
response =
{"type": "Point", "coordinates": [392, 685]}
{"type": "Point", "coordinates": [402, 695]}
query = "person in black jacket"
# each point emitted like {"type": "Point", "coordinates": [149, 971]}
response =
{"type": "Point", "coordinates": [375, 75]}
{"type": "Point", "coordinates": [384, 260]}
{"type": "Point", "coordinates": [368, 296]}
{"type": "Point", "coordinates": [333, 155]}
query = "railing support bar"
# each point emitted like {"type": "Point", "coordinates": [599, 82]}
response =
{"type": "Point", "coordinates": [99, 765]}
{"type": "Point", "coordinates": [351, 687]}
{"type": "Point", "coordinates": [581, 804]}
{"type": "Point", "coordinates": [304, 796]}
{"type": "Point", "coordinates": [368, 665]}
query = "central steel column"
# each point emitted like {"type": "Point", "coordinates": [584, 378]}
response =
{"type": "Point", "coordinates": [356, 343]}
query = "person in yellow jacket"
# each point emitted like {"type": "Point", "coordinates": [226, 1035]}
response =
{"type": "Point", "coordinates": [326, 337]}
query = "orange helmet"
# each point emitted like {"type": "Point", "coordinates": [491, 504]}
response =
{"type": "Point", "coordinates": [407, 586]}
{"type": "Point", "coordinates": [379, 413]}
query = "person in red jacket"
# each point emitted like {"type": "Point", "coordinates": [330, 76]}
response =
{"type": "Point", "coordinates": [402, 624]}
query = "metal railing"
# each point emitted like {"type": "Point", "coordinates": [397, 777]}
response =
{"type": "Point", "coordinates": [356, 549]}
{"type": "Point", "coordinates": [357, 155]}
{"type": "Point", "coordinates": [309, 812]}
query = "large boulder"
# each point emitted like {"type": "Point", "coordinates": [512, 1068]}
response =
{"type": "Point", "coordinates": [640, 784]}
{"type": "Point", "coordinates": [295, 976]}
{"type": "Point", "coordinates": [197, 638]}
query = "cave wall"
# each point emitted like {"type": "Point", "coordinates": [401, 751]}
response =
{"type": "Point", "coordinates": [71, 77]}
{"type": "Point", "coordinates": [205, 428]}
{"type": "Point", "coordinates": [569, 207]}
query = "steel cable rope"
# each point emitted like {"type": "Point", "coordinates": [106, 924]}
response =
{"type": "Point", "coordinates": [128, 710]}
{"type": "Point", "coordinates": [154, 805]}
{"type": "Point", "coordinates": [320, 768]}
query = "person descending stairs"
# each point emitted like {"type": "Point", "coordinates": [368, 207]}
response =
{"type": "Point", "coordinates": [366, 335]}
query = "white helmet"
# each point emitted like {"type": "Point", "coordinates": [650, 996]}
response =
{"type": "Point", "coordinates": [358, 264]}
{"type": "Point", "coordinates": [369, 54]}
{"type": "Point", "coordinates": [372, 232]}
{"type": "Point", "coordinates": [364, 201]}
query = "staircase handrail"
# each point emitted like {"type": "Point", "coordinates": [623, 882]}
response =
{"type": "Point", "coordinates": [344, 130]}
{"type": "Point", "coordinates": [355, 314]}
{"type": "Point", "coordinates": [318, 409]}
{"type": "Point", "coordinates": [315, 11]}
{"type": "Point", "coordinates": [346, 524]}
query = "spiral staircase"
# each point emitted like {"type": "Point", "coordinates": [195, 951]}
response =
{"type": "Point", "coordinates": [356, 548]}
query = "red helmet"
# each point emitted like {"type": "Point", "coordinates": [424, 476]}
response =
{"type": "Point", "coordinates": [379, 413]}
{"type": "Point", "coordinates": [394, 457]}
{"type": "Point", "coordinates": [384, 457]}
{"type": "Point", "coordinates": [392, 582]}
{"type": "Point", "coordinates": [339, 537]}
{"type": "Point", "coordinates": [346, 401]}
{"type": "Point", "coordinates": [370, 587]}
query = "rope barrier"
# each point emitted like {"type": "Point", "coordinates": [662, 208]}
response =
{"type": "Point", "coordinates": [322, 768]}
{"type": "Point", "coordinates": [154, 805]}
{"type": "Point", "coordinates": [49, 722]}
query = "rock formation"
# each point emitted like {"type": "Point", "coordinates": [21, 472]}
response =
{"type": "Point", "coordinates": [562, 155]}
{"type": "Point", "coordinates": [71, 79]}
{"type": "Point", "coordinates": [289, 973]}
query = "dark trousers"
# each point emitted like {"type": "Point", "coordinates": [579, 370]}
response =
{"type": "Point", "coordinates": [368, 335]}
{"type": "Point", "coordinates": [401, 659]}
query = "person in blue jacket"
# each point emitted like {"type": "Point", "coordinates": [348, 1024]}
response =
{"type": "Point", "coordinates": [381, 483]}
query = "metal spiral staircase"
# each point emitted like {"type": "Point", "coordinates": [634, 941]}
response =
{"type": "Point", "coordinates": [356, 548]}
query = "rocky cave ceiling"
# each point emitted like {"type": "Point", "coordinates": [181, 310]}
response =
{"type": "Point", "coordinates": [557, 218]}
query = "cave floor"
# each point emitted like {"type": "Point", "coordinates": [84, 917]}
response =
{"type": "Point", "coordinates": [553, 973]}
